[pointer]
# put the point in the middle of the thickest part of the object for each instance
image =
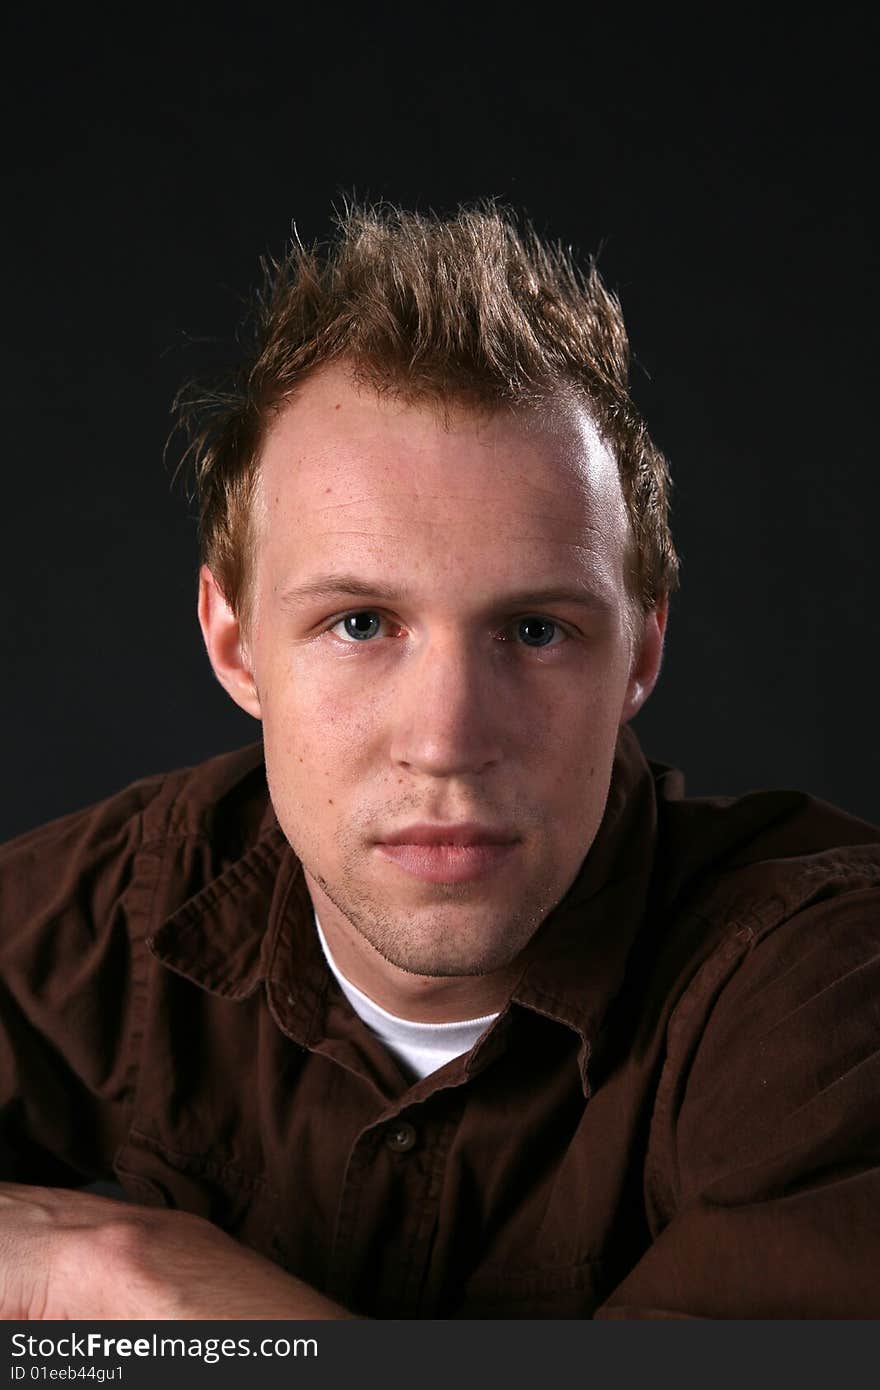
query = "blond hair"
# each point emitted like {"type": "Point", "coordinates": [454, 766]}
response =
{"type": "Point", "coordinates": [470, 310]}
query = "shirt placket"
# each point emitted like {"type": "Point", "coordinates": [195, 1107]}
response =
{"type": "Point", "coordinates": [388, 1207]}
{"type": "Point", "coordinates": [384, 1251]}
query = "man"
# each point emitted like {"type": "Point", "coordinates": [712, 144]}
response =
{"type": "Point", "coordinates": [442, 1002]}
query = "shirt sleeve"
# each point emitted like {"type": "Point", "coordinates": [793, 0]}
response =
{"type": "Point", "coordinates": [72, 965]}
{"type": "Point", "coordinates": [769, 1141]}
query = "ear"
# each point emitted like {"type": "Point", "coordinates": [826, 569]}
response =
{"type": "Point", "coordinates": [227, 650]}
{"type": "Point", "coordinates": [647, 656]}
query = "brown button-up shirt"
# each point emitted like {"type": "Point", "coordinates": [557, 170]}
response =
{"type": "Point", "coordinates": [677, 1112]}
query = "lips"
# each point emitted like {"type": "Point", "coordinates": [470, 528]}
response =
{"type": "Point", "coordinates": [457, 853]}
{"type": "Point", "coordinates": [457, 833]}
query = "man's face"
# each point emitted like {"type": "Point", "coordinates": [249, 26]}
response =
{"type": "Point", "coordinates": [441, 639]}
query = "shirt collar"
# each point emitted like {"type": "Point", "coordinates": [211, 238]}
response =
{"type": "Point", "coordinates": [255, 921]}
{"type": "Point", "coordinates": [579, 957]}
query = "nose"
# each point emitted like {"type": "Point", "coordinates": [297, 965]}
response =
{"type": "Point", "coordinates": [446, 711]}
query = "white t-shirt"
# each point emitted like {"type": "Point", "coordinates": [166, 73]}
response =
{"type": "Point", "coordinates": [421, 1047]}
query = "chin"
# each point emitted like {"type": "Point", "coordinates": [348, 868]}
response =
{"type": "Point", "coordinates": [445, 944]}
{"type": "Point", "coordinates": [452, 935]}
{"type": "Point", "coordinates": [432, 965]}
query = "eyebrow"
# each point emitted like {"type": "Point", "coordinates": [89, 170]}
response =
{"type": "Point", "coordinates": [333, 586]}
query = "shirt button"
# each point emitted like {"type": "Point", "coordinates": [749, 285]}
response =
{"type": "Point", "coordinates": [400, 1137]}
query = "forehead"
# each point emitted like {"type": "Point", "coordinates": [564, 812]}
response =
{"type": "Point", "coordinates": [350, 475]}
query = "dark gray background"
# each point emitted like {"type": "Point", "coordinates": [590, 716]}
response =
{"type": "Point", "coordinates": [723, 165]}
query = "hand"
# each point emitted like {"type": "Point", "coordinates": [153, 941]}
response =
{"type": "Point", "coordinates": [71, 1255]}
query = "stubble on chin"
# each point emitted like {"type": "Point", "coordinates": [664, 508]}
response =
{"type": "Point", "coordinates": [458, 934]}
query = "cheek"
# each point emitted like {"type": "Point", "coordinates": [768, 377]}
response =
{"type": "Point", "coordinates": [577, 746]}
{"type": "Point", "coordinates": [316, 732]}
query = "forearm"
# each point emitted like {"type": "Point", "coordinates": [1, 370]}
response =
{"type": "Point", "coordinates": [72, 1255]}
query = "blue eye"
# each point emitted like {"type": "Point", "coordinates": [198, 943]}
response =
{"type": "Point", "coordinates": [536, 632]}
{"type": "Point", "coordinates": [361, 626]}
{"type": "Point", "coordinates": [367, 624]}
